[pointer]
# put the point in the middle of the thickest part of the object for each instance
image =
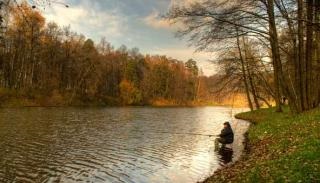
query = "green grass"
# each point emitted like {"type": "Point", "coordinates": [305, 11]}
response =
{"type": "Point", "coordinates": [283, 148]}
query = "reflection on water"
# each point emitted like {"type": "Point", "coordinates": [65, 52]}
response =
{"type": "Point", "coordinates": [225, 155]}
{"type": "Point", "coordinates": [113, 144]}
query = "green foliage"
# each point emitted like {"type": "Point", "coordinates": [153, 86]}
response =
{"type": "Point", "coordinates": [283, 148]}
{"type": "Point", "coordinates": [160, 79]}
{"type": "Point", "coordinates": [133, 70]}
{"type": "Point", "coordinates": [192, 66]}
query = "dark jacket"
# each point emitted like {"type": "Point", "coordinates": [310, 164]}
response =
{"type": "Point", "coordinates": [227, 135]}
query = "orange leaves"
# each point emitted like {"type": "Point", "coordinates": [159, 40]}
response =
{"type": "Point", "coordinates": [24, 17]}
{"type": "Point", "coordinates": [129, 94]}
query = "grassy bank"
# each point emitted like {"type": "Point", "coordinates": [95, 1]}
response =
{"type": "Point", "coordinates": [281, 148]}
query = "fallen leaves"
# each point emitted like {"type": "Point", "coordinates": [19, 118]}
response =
{"type": "Point", "coordinates": [282, 148]}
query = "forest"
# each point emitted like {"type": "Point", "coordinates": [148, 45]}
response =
{"type": "Point", "coordinates": [42, 64]}
{"type": "Point", "coordinates": [267, 52]}
{"type": "Point", "coordinates": [271, 46]}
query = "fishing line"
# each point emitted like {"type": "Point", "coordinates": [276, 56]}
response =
{"type": "Point", "coordinates": [192, 134]}
{"type": "Point", "coordinates": [177, 133]}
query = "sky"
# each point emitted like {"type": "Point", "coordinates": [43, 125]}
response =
{"type": "Point", "coordinates": [134, 23]}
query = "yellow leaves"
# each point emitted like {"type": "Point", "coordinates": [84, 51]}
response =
{"type": "Point", "coordinates": [25, 17]}
{"type": "Point", "coordinates": [129, 93]}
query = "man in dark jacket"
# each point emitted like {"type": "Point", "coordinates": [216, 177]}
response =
{"type": "Point", "coordinates": [226, 136]}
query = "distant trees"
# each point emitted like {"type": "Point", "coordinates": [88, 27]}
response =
{"type": "Point", "coordinates": [169, 79]}
{"type": "Point", "coordinates": [41, 60]}
{"type": "Point", "coordinates": [129, 93]}
{"type": "Point", "coordinates": [4, 4]}
{"type": "Point", "coordinates": [287, 30]}
{"type": "Point", "coordinates": [192, 66]}
{"type": "Point", "coordinates": [7, 5]}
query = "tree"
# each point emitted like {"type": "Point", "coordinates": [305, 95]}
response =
{"type": "Point", "coordinates": [192, 66]}
{"type": "Point", "coordinates": [212, 22]}
{"type": "Point", "coordinates": [130, 95]}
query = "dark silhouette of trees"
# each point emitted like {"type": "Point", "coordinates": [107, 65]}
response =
{"type": "Point", "coordinates": [287, 29]}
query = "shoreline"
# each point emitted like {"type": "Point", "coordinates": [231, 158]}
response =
{"type": "Point", "coordinates": [106, 106]}
{"type": "Point", "coordinates": [279, 147]}
{"type": "Point", "coordinates": [244, 154]}
{"type": "Point", "coordinates": [13, 98]}
{"type": "Point", "coordinates": [220, 172]}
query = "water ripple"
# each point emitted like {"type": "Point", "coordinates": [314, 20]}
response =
{"type": "Point", "coordinates": [124, 145]}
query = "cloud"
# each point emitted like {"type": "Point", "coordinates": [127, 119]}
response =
{"type": "Point", "coordinates": [155, 20]}
{"type": "Point", "coordinates": [184, 2]}
{"type": "Point", "coordinates": [88, 20]}
{"type": "Point", "coordinates": [121, 23]}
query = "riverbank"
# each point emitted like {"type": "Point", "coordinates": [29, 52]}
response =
{"type": "Point", "coordinates": [24, 102]}
{"type": "Point", "coordinates": [16, 98]}
{"type": "Point", "coordinates": [282, 147]}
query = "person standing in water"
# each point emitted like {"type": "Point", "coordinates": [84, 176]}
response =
{"type": "Point", "coordinates": [226, 136]}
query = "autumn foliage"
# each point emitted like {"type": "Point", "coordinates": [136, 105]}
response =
{"type": "Point", "coordinates": [43, 64]}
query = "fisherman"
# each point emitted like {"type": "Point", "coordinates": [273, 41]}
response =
{"type": "Point", "coordinates": [226, 136]}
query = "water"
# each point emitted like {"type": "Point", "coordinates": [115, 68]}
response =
{"type": "Point", "coordinates": [137, 144]}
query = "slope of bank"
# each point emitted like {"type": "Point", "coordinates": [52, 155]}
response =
{"type": "Point", "coordinates": [281, 148]}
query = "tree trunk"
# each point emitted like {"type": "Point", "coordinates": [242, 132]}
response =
{"type": "Point", "coordinates": [309, 54]}
{"type": "Point", "coordinates": [303, 68]}
{"type": "Point", "coordinates": [253, 89]}
{"type": "Point", "coordinates": [265, 101]}
{"type": "Point", "coordinates": [275, 54]}
{"type": "Point", "coordinates": [244, 75]}
{"type": "Point", "coordinates": [295, 59]}
{"type": "Point", "coordinates": [317, 52]}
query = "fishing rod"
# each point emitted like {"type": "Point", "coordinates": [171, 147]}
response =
{"type": "Point", "coordinates": [177, 133]}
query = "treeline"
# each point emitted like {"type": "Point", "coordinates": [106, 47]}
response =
{"type": "Point", "coordinates": [50, 65]}
{"type": "Point", "coordinates": [268, 48]}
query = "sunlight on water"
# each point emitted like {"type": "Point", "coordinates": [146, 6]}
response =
{"type": "Point", "coordinates": [137, 144]}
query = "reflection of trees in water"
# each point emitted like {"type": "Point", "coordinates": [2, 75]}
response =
{"type": "Point", "coordinates": [225, 155]}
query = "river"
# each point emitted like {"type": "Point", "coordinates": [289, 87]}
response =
{"type": "Point", "coordinates": [130, 144]}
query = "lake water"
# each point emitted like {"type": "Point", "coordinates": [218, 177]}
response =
{"type": "Point", "coordinates": [134, 144]}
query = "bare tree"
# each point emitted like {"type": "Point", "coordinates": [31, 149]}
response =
{"type": "Point", "coordinates": [210, 23]}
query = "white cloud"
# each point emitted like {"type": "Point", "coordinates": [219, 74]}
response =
{"type": "Point", "coordinates": [156, 21]}
{"type": "Point", "coordinates": [87, 20]}
{"type": "Point", "coordinates": [184, 2]}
